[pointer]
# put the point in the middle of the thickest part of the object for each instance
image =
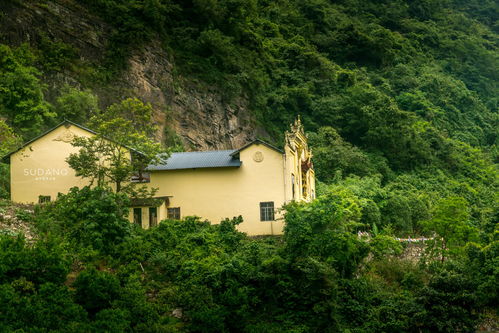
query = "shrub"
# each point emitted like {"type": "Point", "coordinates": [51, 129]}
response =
{"type": "Point", "coordinates": [45, 262]}
{"type": "Point", "coordinates": [90, 217]}
{"type": "Point", "coordinates": [96, 290]}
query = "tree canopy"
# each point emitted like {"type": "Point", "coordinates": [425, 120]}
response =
{"type": "Point", "coordinates": [123, 146]}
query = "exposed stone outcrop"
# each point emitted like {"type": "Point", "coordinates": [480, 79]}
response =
{"type": "Point", "coordinates": [198, 114]}
{"type": "Point", "coordinates": [13, 220]}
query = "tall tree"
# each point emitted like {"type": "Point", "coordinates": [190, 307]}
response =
{"type": "Point", "coordinates": [21, 93]}
{"type": "Point", "coordinates": [123, 147]}
{"type": "Point", "coordinates": [76, 105]}
{"type": "Point", "coordinates": [451, 224]}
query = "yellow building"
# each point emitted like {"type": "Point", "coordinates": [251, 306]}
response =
{"type": "Point", "coordinates": [254, 181]}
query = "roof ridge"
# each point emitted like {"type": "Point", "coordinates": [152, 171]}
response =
{"type": "Point", "coordinates": [257, 141]}
{"type": "Point", "coordinates": [62, 123]}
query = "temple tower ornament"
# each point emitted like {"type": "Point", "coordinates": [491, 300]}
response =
{"type": "Point", "coordinates": [301, 166]}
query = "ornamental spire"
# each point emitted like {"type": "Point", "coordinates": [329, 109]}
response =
{"type": "Point", "coordinates": [297, 126]}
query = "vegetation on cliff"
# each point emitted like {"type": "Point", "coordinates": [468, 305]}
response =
{"type": "Point", "coordinates": [400, 98]}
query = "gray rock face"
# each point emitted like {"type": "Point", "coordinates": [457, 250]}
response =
{"type": "Point", "coordinates": [198, 114]}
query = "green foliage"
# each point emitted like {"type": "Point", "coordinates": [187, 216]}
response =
{"type": "Point", "coordinates": [55, 55]}
{"type": "Point", "coordinates": [48, 307]}
{"type": "Point", "coordinates": [89, 217]}
{"type": "Point", "coordinates": [450, 297]}
{"type": "Point", "coordinates": [9, 141]}
{"type": "Point", "coordinates": [481, 263]}
{"type": "Point", "coordinates": [43, 263]}
{"type": "Point", "coordinates": [96, 290]}
{"type": "Point", "coordinates": [324, 229]}
{"type": "Point", "coordinates": [318, 277]}
{"type": "Point", "coordinates": [383, 246]}
{"type": "Point", "coordinates": [374, 71]}
{"type": "Point", "coordinates": [122, 147]}
{"type": "Point", "coordinates": [21, 93]}
{"type": "Point", "coordinates": [4, 181]}
{"type": "Point", "coordinates": [451, 225]}
{"type": "Point", "coordinates": [35, 296]}
{"type": "Point", "coordinates": [401, 100]}
{"type": "Point", "coordinates": [333, 154]}
{"type": "Point", "coordinates": [76, 105]}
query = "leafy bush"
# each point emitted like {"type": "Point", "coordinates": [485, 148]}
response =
{"type": "Point", "coordinates": [89, 217]}
{"type": "Point", "coordinates": [76, 105]}
{"type": "Point", "coordinates": [449, 301]}
{"type": "Point", "coordinates": [325, 229]}
{"type": "Point", "coordinates": [383, 246]}
{"type": "Point", "coordinates": [95, 290]}
{"type": "Point", "coordinates": [43, 263]}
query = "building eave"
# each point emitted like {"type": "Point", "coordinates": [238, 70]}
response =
{"type": "Point", "coordinates": [257, 142]}
{"type": "Point", "coordinates": [6, 158]}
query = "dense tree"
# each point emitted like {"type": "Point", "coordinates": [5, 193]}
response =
{"type": "Point", "coordinates": [89, 217]}
{"type": "Point", "coordinates": [122, 147]}
{"type": "Point", "coordinates": [21, 92]}
{"type": "Point", "coordinates": [451, 226]}
{"type": "Point", "coordinates": [401, 101]}
{"type": "Point", "coordinates": [8, 139]}
{"type": "Point", "coordinates": [76, 105]}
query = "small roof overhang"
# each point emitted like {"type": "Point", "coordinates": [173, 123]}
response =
{"type": "Point", "coordinates": [257, 142]}
{"type": "Point", "coordinates": [150, 202]}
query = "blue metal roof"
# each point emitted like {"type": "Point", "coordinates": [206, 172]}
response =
{"type": "Point", "coordinates": [198, 159]}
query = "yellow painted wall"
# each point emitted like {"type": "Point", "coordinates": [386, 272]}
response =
{"type": "Point", "coordinates": [40, 168]}
{"type": "Point", "coordinates": [211, 193]}
{"type": "Point", "coordinates": [218, 193]}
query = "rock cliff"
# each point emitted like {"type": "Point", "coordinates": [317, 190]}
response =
{"type": "Point", "coordinates": [197, 114]}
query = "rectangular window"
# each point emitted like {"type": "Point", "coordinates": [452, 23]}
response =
{"type": "Point", "coordinates": [141, 177]}
{"type": "Point", "coordinates": [137, 216]}
{"type": "Point", "coordinates": [267, 211]}
{"type": "Point", "coordinates": [174, 213]}
{"type": "Point", "coordinates": [153, 217]}
{"type": "Point", "coordinates": [43, 198]}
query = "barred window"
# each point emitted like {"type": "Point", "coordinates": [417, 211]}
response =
{"type": "Point", "coordinates": [43, 198]}
{"type": "Point", "coordinates": [153, 217]}
{"type": "Point", "coordinates": [141, 177]}
{"type": "Point", "coordinates": [174, 213]}
{"type": "Point", "coordinates": [267, 211]}
{"type": "Point", "coordinates": [137, 216]}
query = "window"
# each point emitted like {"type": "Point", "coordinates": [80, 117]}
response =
{"type": "Point", "coordinates": [153, 217]}
{"type": "Point", "coordinates": [43, 198]}
{"type": "Point", "coordinates": [293, 185]}
{"type": "Point", "coordinates": [141, 177]}
{"type": "Point", "coordinates": [267, 211]}
{"type": "Point", "coordinates": [137, 216]}
{"type": "Point", "coordinates": [174, 213]}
